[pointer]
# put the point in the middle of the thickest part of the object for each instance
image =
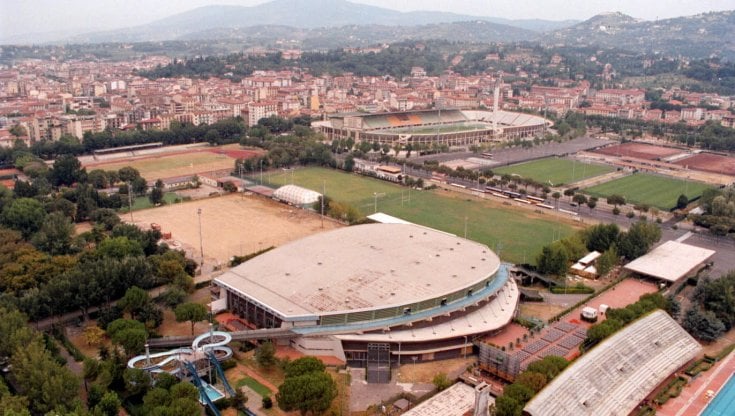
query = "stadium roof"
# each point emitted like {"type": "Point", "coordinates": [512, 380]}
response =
{"type": "Point", "coordinates": [360, 268]}
{"type": "Point", "coordinates": [491, 316]}
{"type": "Point", "coordinates": [670, 261]}
{"type": "Point", "coordinates": [615, 376]}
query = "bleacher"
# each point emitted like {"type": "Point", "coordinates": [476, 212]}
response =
{"type": "Point", "coordinates": [615, 376]}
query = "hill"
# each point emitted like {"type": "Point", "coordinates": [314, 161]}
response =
{"type": "Point", "coordinates": [301, 14]}
{"type": "Point", "coordinates": [698, 36]}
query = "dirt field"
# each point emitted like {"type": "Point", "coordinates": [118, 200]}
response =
{"type": "Point", "coordinates": [425, 372]}
{"type": "Point", "coordinates": [709, 162]}
{"type": "Point", "coordinates": [231, 225]}
{"type": "Point", "coordinates": [171, 162]}
{"type": "Point", "coordinates": [639, 150]}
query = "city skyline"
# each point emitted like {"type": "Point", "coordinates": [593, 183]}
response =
{"type": "Point", "coordinates": [80, 16]}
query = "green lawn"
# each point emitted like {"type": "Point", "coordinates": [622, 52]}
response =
{"type": "Point", "coordinates": [142, 202]}
{"type": "Point", "coordinates": [656, 191]}
{"type": "Point", "coordinates": [254, 384]}
{"type": "Point", "coordinates": [517, 234]}
{"type": "Point", "coordinates": [556, 171]}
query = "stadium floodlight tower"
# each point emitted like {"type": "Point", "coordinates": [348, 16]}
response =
{"type": "Point", "coordinates": [496, 103]}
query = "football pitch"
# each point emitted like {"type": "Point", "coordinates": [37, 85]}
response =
{"type": "Point", "coordinates": [656, 191]}
{"type": "Point", "coordinates": [516, 234]}
{"type": "Point", "coordinates": [555, 172]}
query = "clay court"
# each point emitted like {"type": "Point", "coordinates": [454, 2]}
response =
{"type": "Point", "coordinates": [639, 151]}
{"type": "Point", "coordinates": [231, 225]}
{"type": "Point", "coordinates": [710, 162]}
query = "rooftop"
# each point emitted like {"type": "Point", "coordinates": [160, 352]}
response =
{"type": "Point", "coordinates": [360, 268]}
{"type": "Point", "coordinates": [454, 401]}
{"type": "Point", "coordinates": [615, 376]}
{"type": "Point", "coordinates": [670, 261]}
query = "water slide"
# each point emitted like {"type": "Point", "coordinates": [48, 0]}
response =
{"type": "Point", "coordinates": [199, 383]}
{"type": "Point", "coordinates": [220, 373]}
{"type": "Point", "coordinates": [213, 343]}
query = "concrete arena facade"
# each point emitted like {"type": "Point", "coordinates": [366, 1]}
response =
{"type": "Point", "coordinates": [413, 289]}
{"type": "Point", "coordinates": [414, 127]}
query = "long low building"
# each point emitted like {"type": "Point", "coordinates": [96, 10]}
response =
{"type": "Point", "coordinates": [615, 376]}
{"type": "Point", "coordinates": [402, 286]}
{"type": "Point", "coordinates": [670, 261]}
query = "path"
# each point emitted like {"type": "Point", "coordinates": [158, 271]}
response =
{"type": "Point", "coordinates": [693, 399]}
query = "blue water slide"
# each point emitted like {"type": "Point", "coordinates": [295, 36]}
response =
{"type": "Point", "coordinates": [220, 373]}
{"type": "Point", "coordinates": [200, 385]}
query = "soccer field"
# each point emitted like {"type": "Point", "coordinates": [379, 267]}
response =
{"type": "Point", "coordinates": [516, 234]}
{"type": "Point", "coordinates": [656, 191]}
{"type": "Point", "coordinates": [555, 172]}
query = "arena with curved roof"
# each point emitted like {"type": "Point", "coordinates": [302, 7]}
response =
{"type": "Point", "coordinates": [443, 127]}
{"type": "Point", "coordinates": [394, 284]}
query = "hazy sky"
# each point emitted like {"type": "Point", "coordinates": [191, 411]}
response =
{"type": "Point", "coordinates": [29, 16]}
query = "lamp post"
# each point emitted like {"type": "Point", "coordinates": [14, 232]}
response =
{"type": "Point", "coordinates": [201, 245]}
{"type": "Point", "coordinates": [261, 171]}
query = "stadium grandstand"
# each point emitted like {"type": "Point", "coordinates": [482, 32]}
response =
{"type": "Point", "coordinates": [443, 127]}
{"type": "Point", "coordinates": [375, 295]}
{"type": "Point", "coordinates": [615, 376]}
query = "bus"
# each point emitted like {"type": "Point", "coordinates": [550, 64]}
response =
{"type": "Point", "coordinates": [545, 206]}
{"type": "Point", "coordinates": [535, 199]}
{"type": "Point", "coordinates": [486, 155]}
{"type": "Point", "coordinates": [523, 201]}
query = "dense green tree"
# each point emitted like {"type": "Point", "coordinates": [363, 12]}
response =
{"type": "Point", "coordinates": [607, 261]}
{"type": "Point", "coordinates": [109, 405]}
{"type": "Point", "coordinates": [441, 381]}
{"type": "Point", "coordinates": [303, 365]}
{"type": "Point", "coordinates": [616, 200]}
{"type": "Point", "coordinates": [98, 178]}
{"type": "Point", "coordinates": [533, 380]}
{"type": "Point", "coordinates": [134, 301]}
{"type": "Point", "coordinates": [553, 260]}
{"type": "Point", "coordinates": [550, 366]}
{"type": "Point", "coordinates": [55, 235]}
{"type": "Point", "coordinates": [311, 392]}
{"type": "Point", "coordinates": [128, 174]}
{"type": "Point", "coordinates": [129, 334]}
{"type": "Point", "coordinates": [507, 406]}
{"type": "Point", "coordinates": [46, 383]}
{"type": "Point", "coordinates": [25, 215]}
{"type": "Point", "coordinates": [192, 312]}
{"type": "Point", "coordinates": [639, 239]}
{"type": "Point", "coordinates": [119, 247]}
{"type": "Point", "coordinates": [67, 170]}
{"type": "Point", "coordinates": [265, 354]}
{"type": "Point", "coordinates": [703, 325]}
{"type": "Point", "coordinates": [601, 236]}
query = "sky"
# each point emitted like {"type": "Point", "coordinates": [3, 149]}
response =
{"type": "Point", "coordinates": [41, 16]}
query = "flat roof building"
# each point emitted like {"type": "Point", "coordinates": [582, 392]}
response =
{"type": "Point", "coordinates": [670, 261]}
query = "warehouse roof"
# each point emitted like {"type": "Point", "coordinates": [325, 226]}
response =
{"type": "Point", "coordinates": [360, 268]}
{"type": "Point", "coordinates": [670, 261]}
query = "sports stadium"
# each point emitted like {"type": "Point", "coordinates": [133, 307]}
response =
{"type": "Point", "coordinates": [375, 295]}
{"type": "Point", "coordinates": [427, 127]}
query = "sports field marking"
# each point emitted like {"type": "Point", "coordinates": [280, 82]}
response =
{"type": "Point", "coordinates": [657, 191]}
{"type": "Point", "coordinates": [555, 172]}
{"type": "Point", "coordinates": [516, 234]}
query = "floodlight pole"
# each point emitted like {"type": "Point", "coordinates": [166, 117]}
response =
{"type": "Point", "coordinates": [465, 227]}
{"type": "Point", "coordinates": [324, 193]}
{"type": "Point", "coordinates": [130, 201]}
{"type": "Point", "coordinates": [201, 245]}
